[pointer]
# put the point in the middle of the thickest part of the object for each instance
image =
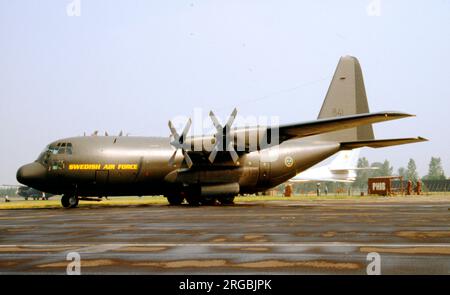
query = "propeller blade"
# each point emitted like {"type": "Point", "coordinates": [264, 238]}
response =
{"type": "Point", "coordinates": [106, 133]}
{"type": "Point", "coordinates": [215, 121]}
{"type": "Point", "coordinates": [178, 142]}
{"type": "Point", "coordinates": [121, 133]}
{"type": "Point", "coordinates": [173, 130]}
{"type": "Point", "coordinates": [213, 154]}
{"type": "Point", "coordinates": [172, 158]}
{"type": "Point", "coordinates": [233, 153]}
{"type": "Point", "coordinates": [186, 129]}
{"type": "Point", "coordinates": [231, 118]}
{"type": "Point", "coordinates": [188, 159]}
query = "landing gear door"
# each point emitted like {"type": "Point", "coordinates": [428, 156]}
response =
{"type": "Point", "coordinates": [101, 177]}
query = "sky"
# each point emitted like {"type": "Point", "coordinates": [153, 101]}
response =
{"type": "Point", "coordinates": [74, 66]}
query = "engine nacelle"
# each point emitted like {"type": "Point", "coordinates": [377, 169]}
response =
{"type": "Point", "coordinates": [246, 139]}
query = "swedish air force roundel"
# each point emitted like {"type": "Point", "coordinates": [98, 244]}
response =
{"type": "Point", "coordinates": [288, 161]}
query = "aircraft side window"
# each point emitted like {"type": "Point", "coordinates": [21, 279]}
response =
{"type": "Point", "coordinates": [58, 165]}
{"type": "Point", "coordinates": [62, 148]}
{"type": "Point", "coordinates": [69, 148]}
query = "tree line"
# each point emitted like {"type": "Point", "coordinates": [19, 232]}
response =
{"type": "Point", "coordinates": [435, 171]}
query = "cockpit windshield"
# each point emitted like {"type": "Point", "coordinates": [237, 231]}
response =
{"type": "Point", "coordinates": [54, 149]}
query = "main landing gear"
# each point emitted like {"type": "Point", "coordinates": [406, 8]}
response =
{"type": "Point", "coordinates": [175, 200]}
{"type": "Point", "coordinates": [69, 201]}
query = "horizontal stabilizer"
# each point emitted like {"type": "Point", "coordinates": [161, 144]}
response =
{"type": "Point", "coordinates": [380, 143]}
{"type": "Point", "coordinates": [336, 123]}
{"type": "Point", "coordinates": [346, 170]}
{"type": "Point", "coordinates": [320, 179]}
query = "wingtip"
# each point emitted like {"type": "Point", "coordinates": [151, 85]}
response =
{"type": "Point", "coordinates": [420, 138]}
{"type": "Point", "coordinates": [403, 114]}
{"type": "Point", "coordinates": [396, 114]}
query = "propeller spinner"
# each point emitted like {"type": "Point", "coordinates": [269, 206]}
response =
{"type": "Point", "coordinates": [179, 143]}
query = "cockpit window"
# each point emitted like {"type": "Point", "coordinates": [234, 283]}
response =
{"type": "Point", "coordinates": [62, 148]}
{"type": "Point", "coordinates": [69, 148]}
{"type": "Point", "coordinates": [53, 149]}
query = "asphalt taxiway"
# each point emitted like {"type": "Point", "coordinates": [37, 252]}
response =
{"type": "Point", "coordinates": [273, 237]}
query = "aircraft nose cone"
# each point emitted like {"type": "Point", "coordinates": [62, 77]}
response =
{"type": "Point", "coordinates": [30, 173]}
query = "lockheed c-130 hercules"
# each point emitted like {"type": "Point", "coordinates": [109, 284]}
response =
{"type": "Point", "coordinates": [211, 168]}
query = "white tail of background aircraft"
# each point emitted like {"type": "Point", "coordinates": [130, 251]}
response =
{"type": "Point", "coordinates": [341, 169]}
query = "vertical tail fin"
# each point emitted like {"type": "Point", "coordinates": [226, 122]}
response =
{"type": "Point", "coordinates": [345, 160]}
{"type": "Point", "coordinates": [346, 96]}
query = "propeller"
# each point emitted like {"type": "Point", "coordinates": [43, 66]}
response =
{"type": "Point", "coordinates": [223, 141]}
{"type": "Point", "coordinates": [95, 133]}
{"type": "Point", "coordinates": [178, 143]}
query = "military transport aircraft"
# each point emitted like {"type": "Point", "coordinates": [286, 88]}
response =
{"type": "Point", "coordinates": [211, 168]}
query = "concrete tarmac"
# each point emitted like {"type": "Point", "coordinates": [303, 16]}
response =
{"type": "Point", "coordinates": [273, 237]}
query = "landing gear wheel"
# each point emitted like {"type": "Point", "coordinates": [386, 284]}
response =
{"type": "Point", "coordinates": [228, 200]}
{"type": "Point", "coordinates": [69, 201]}
{"type": "Point", "coordinates": [209, 201]}
{"type": "Point", "coordinates": [193, 201]}
{"type": "Point", "coordinates": [175, 200]}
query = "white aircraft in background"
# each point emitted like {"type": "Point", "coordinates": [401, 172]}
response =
{"type": "Point", "coordinates": [341, 169]}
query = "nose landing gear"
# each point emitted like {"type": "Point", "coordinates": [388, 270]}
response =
{"type": "Point", "coordinates": [69, 201]}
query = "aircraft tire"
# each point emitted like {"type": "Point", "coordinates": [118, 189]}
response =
{"type": "Point", "coordinates": [209, 201]}
{"type": "Point", "coordinates": [69, 201]}
{"type": "Point", "coordinates": [175, 200]}
{"type": "Point", "coordinates": [227, 200]}
{"type": "Point", "coordinates": [73, 200]}
{"type": "Point", "coordinates": [193, 201]}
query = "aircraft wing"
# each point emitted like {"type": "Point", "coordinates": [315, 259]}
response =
{"type": "Point", "coordinates": [337, 123]}
{"type": "Point", "coordinates": [378, 143]}
{"type": "Point", "coordinates": [290, 131]}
